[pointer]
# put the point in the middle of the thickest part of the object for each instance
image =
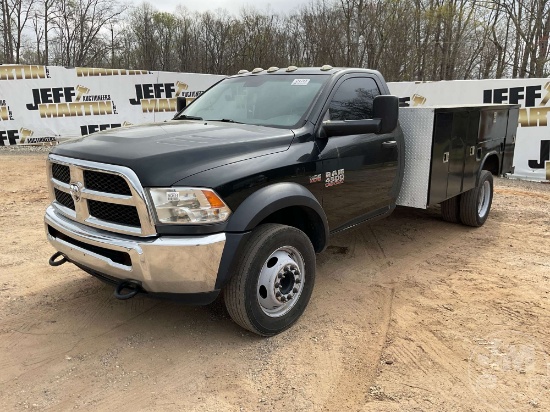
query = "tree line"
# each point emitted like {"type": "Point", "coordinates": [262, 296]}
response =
{"type": "Point", "coordinates": [404, 39]}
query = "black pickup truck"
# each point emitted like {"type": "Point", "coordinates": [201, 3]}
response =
{"type": "Point", "coordinates": [244, 186]}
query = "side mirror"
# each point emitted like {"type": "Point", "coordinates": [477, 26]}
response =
{"type": "Point", "coordinates": [181, 102]}
{"type": "Point", "coordinates": [386, 108]}
{"type": "Point", "coordinates": [385, 112]}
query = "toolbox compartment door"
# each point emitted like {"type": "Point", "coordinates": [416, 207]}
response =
{"type": "Point", "coordinates": [440, 156]}
{"type": "Point", "coordinates": [471, 162]}
{"type": "Point", "coordinates": [453, 168]}
{"type": "Point", "coordinates": [459, 137]}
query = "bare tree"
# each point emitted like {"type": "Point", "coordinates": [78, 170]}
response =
{"type": "Point", "coordinates": [22, 11]}
{"type": "Point", "coordinates": [81, 29]}
{"type": "Point", "coordinates": [531, 21]}
{"type": "Point", "coordinates": [406, 40]}
{"type": "Point", "coordinates": [7, 19]}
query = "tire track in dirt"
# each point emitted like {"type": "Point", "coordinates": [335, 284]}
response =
{"type": "Point", "coordinates": [354, 388]}
{"type": "Point", "coordinates": [444, 334]}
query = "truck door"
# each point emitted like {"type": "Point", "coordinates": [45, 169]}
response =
{"type": "Point", "coordinates": [360, 170]}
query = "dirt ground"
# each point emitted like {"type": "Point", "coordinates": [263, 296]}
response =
{"type": "Point", "coordinates": [408, 314]}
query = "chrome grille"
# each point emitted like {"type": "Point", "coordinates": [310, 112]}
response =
{"type": "Point", "coordinates": [61, 172]}
{"type": "Point", "coordinates": [106, 182]}
{"type": "Point", "coordinates": [110, 212]}
{"type": "Point", "coordinates": [64, 198]}
{"type": "Point", "coordinates": [100, 195]}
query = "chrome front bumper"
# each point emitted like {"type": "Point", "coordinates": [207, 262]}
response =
{"type": "Point", "coordinates": [163, 265]}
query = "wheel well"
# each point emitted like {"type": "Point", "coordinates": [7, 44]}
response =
{"type": "Point", "coordinates": [304, 219]}
{"type": "Point", "coordinates": [492, 164]}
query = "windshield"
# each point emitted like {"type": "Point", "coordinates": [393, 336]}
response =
{"type": "Point", "coordinates": [268, 100]}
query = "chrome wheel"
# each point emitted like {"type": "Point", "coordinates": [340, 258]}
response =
{"type": "Point", "coordinates": [484, 199]}
{"type": "Point", "coordinates": [281, 281]}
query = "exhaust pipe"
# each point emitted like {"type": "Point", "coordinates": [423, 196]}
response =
{"type": "Point", "coordinates": [54, 262]}
{"type": "Point", "coordinates": [133, 287]}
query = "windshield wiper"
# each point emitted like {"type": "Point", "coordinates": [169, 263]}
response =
{"type": "Point", "coordinates": [185, 117]}
{"type": "Point", "coordinates": [223, 120]}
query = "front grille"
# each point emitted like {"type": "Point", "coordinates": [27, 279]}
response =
{"type": "Point", "coordinates": [110, 196]}
{"type": "Point", "coordinates": [64, 198]}
{"type": "Point", "coordinates": [106, 182]}
{"type": "Point", "coordinates": [61, 173]}
{"type": "Point", "coordinates": [111, 212]}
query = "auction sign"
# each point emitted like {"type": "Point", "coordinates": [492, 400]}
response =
{"type": "Point", "coordinates": [40, 104]}
{"type": "Point", "coordinates": [532, 152]}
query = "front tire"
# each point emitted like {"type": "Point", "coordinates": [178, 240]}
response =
{"type": "Point", "coordinates": [475, 204]}
{"type": "Point", "coordinates": [273, 281]}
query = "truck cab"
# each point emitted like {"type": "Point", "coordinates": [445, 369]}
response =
{"type": "Point", "coordinates": [335, 138]}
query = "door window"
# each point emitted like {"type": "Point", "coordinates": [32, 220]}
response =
{"type": "Point", "coordinates": [353, 99]}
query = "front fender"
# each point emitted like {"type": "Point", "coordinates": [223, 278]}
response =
{"type": "Point", "coordinates": [270, 199]}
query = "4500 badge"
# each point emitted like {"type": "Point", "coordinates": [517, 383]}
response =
{"type": "Point", "coordinates": [334, 178]}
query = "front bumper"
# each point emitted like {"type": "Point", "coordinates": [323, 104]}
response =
{"type": "Point", "coordinates": [163, 265]}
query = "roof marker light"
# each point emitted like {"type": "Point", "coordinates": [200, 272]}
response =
{"type": "Point", "coordinates": [291, 69]}
{"type": "Point", "coordinates": [257, 70]}
{"type": "Point", "coordinates": [242, 71]}
{"type": "Point", "coordinates": [326, 67]}
{"type": "Point", "coordinates": [272, 69]}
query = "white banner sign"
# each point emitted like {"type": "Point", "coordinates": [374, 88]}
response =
{"type": "Point", "coordinates": [42, 103]}
{"type": "Point", "coordinates": [532, 153]}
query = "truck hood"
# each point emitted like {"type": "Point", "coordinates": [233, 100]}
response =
{"type": "Point", "coordinates": [163, 153]}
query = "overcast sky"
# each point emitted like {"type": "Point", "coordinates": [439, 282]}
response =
{"type": "Point", "coordinates": [233, 6]}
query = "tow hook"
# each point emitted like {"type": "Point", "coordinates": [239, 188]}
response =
{"type": "Point", "coordinates": [133, 287]}
{"type": "Point", "coordinates": [54, 262]}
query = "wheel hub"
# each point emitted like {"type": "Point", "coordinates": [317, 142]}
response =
{"type": "Point", "coordinates": [287, 280]}
{"type": "Point", "coordinates": [281, 281]}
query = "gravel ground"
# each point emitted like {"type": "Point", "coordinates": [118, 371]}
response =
{"type": "Point", "coordinates": [19, 150]}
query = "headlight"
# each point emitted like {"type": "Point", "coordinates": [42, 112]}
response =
{"type": "Point", "coordinates": [184, 205]}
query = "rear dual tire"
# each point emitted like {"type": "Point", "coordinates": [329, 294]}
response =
{"type": "Point", "coordinates": [450, 209]}
{"type": "Point", "coordinates": [475, 204]}
{"type": "Point", "coordinates": [471, 208]}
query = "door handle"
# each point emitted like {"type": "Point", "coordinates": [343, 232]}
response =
{"type": "Point", "coordinates": [389, 144]}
